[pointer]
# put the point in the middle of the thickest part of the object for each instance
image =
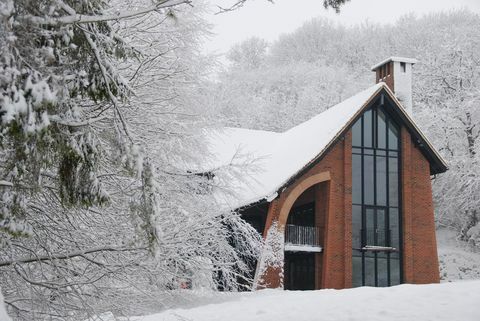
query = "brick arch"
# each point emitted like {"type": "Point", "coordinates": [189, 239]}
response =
{"type": "Point", "coordinates": [296, 192]}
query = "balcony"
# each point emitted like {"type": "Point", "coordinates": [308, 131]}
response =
{"type": "Point", "coordinates": [302, 238]}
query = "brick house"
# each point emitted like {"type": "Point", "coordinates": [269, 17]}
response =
{"type": "Point", "coordinates": [344, 199]}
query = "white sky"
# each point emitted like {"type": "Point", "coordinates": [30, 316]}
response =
{"type": "Point", "coordinates": [266, 20]}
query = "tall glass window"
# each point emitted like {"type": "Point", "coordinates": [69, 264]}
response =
{"type": "Point", "coordinates": [376, 214]}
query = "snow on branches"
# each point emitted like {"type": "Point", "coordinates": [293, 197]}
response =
{"type": "Point", "coordinates": [99, 114]}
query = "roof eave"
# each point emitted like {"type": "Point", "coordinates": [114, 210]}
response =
{"type": "Point", "coordinates": [439, 164]}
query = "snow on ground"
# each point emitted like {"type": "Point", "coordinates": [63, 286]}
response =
{"type": "Point", "coordinates": [452, 301]}
{"type": "Point", "coordinates": [457, 259]}
{"type": "Point", "coordinates": [456, 301]}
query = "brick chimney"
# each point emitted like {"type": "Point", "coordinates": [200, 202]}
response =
{"type": "Point", "coordinates": [396, 72]}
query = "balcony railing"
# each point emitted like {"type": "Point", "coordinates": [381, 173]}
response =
{"type": "Point", "coordinates": [376, 240]}
{"type": "Point", "coordinates": [304, 237]}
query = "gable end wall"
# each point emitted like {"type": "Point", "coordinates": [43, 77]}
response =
{"type": "Point", "coordinates": [420, 261]}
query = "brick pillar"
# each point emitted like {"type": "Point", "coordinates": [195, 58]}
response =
{"type": "Point", "coordinates": [268, 275]}
{"type": "Point", "coordinates": [321, 209]}
{"type": "Point", "coordinates": [334, 244]}
{"type": "Point", "coordinates": [420, 259]}
{"type": "Point", "coordinates": [425, 244]}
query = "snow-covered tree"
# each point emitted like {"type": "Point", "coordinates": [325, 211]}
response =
{"type": "Point", "coordinates": [100, 124]}
{"type": "Point", "coordinates": [230, 5]}
{"type": "Point", "coordinates": [279, 97]}
{"type": "Point", "coordinates": [249, 54]}
{"type": "Point", "coordinates": [448, 101]}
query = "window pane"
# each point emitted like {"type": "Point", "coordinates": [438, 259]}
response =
{"type": "Point", "coordinates": [380, 228]}
{"type": "Point", "coordinates": [381, 152]}
{"type": "Point", "coordinates": [357, 133]}
{"type": "Point", "coordinates": [357, 226]}
{"type": "Point", "coordinates": [303, 215]}
{"type": "Point", "coordinates": [394, 228]}
{"type": "Point", "coordinates": [369, 270]}
{"type": "Point", "coordinates": [381, 180]}
{"type": "Point", "coordinates": [382, 271]}
{"type": "Point", "coordinates": [357, 269]}
{"type": "Point", "coordinates": [392, 136]}
{"type": "Point", "coordinates": [394, 271]}
{"type": "Point", "coordinates": [370, 226]}
{"type": "Point", "coordinates": [357, 179]}
{"type": "Point", "coordinates": [368, 180]}
{"type": "Point", "coordinates": [367, 129]}
{"type": "Point", "coordinates": [381, 130]}
{"type": "Point", "coordinates": [393, 181]}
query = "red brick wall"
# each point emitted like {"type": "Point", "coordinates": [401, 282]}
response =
{"type": "Point", "coordinates": [334, 201]}
{"type": "Point", "coordinates": [335, 260]}
{"type": "Point", "coordinates": [321, 212]}
{"type": "Point", "coordinates": [420, 259]}
{"type": "Point", "coordinates": [388, 79]}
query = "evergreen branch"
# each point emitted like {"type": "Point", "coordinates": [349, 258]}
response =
{"type": "Point", "coordinates": [74, 18]}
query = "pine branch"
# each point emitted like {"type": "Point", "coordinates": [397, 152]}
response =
{"type": "Point", "coordinates": [75, 18]}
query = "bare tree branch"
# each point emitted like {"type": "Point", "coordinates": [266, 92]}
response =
{"type": "Point", "coordinates": [70, 255]}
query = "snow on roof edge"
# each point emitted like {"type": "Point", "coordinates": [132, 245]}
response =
{"type": "Point", "coordinates": [337, 135]}
{"type": "Point", "coordinates": [278, 175]}
{"type": "Point", "coordinates": [275, 191]}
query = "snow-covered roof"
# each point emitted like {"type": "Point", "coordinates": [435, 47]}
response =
{"type": "Point", "coordinates": [393, 58]}
{"type": "Point", "coordinates": [281, 156]}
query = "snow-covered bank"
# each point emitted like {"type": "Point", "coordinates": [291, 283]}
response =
{"type": "Point", "coordinates": [457, 260]}
{"type": "Point", "coordinates": [448, 301]}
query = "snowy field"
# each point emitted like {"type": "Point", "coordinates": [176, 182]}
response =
{"type": "Point", "coordinates": [456, 301]}
{"type": "Point", "coordinates": [453, 300]}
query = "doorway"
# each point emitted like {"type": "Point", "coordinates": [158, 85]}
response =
{"type": "Point", "coordinates": [299, 271]}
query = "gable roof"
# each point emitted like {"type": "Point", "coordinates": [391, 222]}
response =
{"type": "Point", "coordinates": [282, 157]}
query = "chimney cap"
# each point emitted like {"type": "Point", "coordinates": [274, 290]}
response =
{"type": "Point", "coordinates": [400, 59]}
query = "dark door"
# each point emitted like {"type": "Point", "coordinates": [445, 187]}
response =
{"type": "Point", "coordinates": [299, 271]}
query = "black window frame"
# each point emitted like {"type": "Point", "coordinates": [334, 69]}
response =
{"type": "Point", "coordinates": [387, 153]}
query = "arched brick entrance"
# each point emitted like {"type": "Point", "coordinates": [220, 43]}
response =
{"type": "Point", "coordinates": [293, 195]}
{"type": "Point", "coordinates": [269, 273]}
